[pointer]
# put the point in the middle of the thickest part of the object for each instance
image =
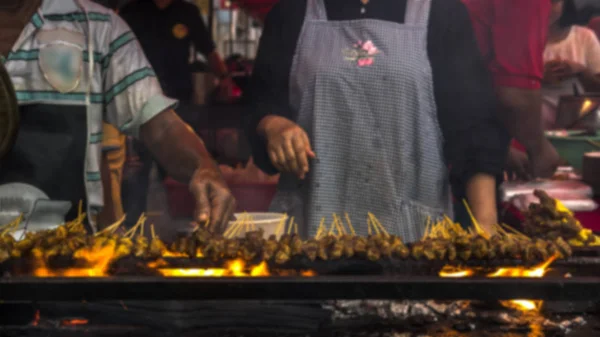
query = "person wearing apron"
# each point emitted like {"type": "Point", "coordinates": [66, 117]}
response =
{"type": "Point", "coordinates": [75, 65]}
{"type": "Point", "coordinates": [363, 106]}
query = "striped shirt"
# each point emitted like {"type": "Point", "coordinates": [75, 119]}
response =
{"type": "Point", "coordinates": [123, 88]}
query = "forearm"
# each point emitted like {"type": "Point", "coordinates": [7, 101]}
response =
{"type": "Point", "coordinates": [217, 65]}
{"type": "Point", "coordinates": [481, 195]}
{"type": "Point", "coordinates": [590, 81]}
{"type": "Point", "coordinates": [521, 113]}
{"type": "Point", "coordinates": [175, 145]}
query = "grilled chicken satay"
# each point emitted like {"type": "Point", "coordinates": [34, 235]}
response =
{"type": "Point", "coordinates": [296, 245]}
{"type": "Point", "coordinates": [310, 249]}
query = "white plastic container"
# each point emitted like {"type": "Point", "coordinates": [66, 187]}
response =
{"type": "Point", "coordinates": [268, 222]}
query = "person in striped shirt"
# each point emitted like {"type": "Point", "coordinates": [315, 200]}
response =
{"type": "Point", "coordinates": [74, 65]}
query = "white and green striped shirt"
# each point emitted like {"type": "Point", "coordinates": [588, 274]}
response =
{"type": "Point", "coordinates": [124, 88]}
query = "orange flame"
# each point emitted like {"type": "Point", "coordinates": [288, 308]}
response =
{"type": "Point", "coordinates": [518, 304]}
{"type": "Point", "coordinates": [235, 268]}
{"type": "Point", "coordinates": [454, 272]}
{"type": "Point", "coordinates": [96, 263]}
{"type": "Point", "coordinates": [536, 272]}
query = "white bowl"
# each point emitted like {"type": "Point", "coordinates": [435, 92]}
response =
{"type": "Point", "coordinates": [268, 222]}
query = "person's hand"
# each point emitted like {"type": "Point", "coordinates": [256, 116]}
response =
{"type": "Point", "coordinates": [214, 201]}
{"type": "Point", "coordinates": [517, 165]}
{"type": "Point", "coordinates": [288, 145]}
{"type": "Point", "coordinates": [551, 72]}
{"type": "Point", "coordinates": [562, 69]}
{"type": "Point", "coordinates": [544, 161]}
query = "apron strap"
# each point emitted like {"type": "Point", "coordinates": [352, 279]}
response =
{"type": "Point", "coordinates": [315, 10]}
{"type": "Point", "coordinates": [417, 12]}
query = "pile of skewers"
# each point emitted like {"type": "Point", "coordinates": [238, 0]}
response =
{"type": "Point", "coordinates": [550, 220]}
{"type": "Point", "coordinates": [444, 241]}
{"type": "Point", "coordinates": [72, 240]}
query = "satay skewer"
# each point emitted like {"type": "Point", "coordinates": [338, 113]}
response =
{"type": "Point", "coordinates": [478, 228]}
{"type": "Point", "coordinates": [152, 232]}
{"type": "Point", "coordinates": [350, 224]}
{"type": "Point", "coordinates": [378, 224]}
{"type": "Point", "coordinates": [112, 228]}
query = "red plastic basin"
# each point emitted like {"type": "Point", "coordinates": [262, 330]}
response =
{"type": "Point", "coordinates": [251, 197]}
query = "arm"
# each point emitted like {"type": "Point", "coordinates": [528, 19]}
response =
{"type": "Point", "coordinates": [590, 77]}
{"type": "Point", "coordinates": [135, 105]}
{"type": "Point", "coordinates": [269, 89]}
{"type": "Point", "coordinates": [475, 141]}
{"type": "Point", "coordinates": [519, 35]}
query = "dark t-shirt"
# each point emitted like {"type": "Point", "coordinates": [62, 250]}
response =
{"type": "Point", "coordinates": [474, 140]}
{"type": "Point", "coordinates": [166, 36]}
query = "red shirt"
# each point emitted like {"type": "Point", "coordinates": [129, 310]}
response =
{"type": "Point", "coordinates": [512, 36]}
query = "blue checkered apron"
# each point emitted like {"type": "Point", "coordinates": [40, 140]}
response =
{"type": "Point", "coordinates": [363, 91]}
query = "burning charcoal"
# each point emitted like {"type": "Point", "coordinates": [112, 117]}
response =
{"type": "Point", "coordinates": [464, 326]}
{"type": "Point", "coordinates": [400, 309]}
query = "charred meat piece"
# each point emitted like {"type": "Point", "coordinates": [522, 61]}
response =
{"type": "Point", "coordinates": [360, 246]}
{"type": "Point", "coordinates": [270, 248]}
{"type": "Point", "coordinates": [337, 250]}
{"type": "Point", "coordinates": [232, 247]}
{"type": "Point", "coordinates": [310, 249]}
{"type": "Point", "coordinates": [563, 247]}
{"type": "Point", "coordinates": [418, 250]}
{"type": "Point", "coordinates": [296, 245]}
{"type": "Point", "coordinates": [373, 253]}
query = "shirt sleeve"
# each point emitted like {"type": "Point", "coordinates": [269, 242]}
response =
{"type": "Point", "coordinates": [519, 33]}
{"type": "Point", "coordinates": [474, 139]}
{"type": "Point", "coordinates": [269, 89]}
{"type": "Point", "coordinates": [592, 51]}
{"type": "Point", "coordinates": [132, 94]}
{"type": "Point", "coordinates": [201, 37]}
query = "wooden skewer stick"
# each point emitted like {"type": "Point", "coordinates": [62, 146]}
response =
{"type": "Point", "coordinates": [426, 234]}
{"type": "Point", "coordinates": [369, 226]}
{"type": "Point", "coordinates": [378, 224]}
{"type": "Point", "coordinates": [133, 229]}
{"type": "Point", "coordinates": [207, 222]}
{"type": "Point", "coordinates": [478, 228]}
{"type": "Point", "coordinates": [231, 228]}
{"type": "Point", "coordinates": [320, 228]}
{"type": "Point", "coordinates": [12, 225]}
{"type": "Point", "coordinates": [142, 230]}
{"type": "Point", "coordinates": [516, 232]}
{"type": "Point", "coordinates": [296, 228]}
{"type": "Point", "coordinates": [336, 221]}
{"type": "Point", "coordinates": [280, 225]}
{"type": "Point", "coordinates": [80, 208]}
{"type": "Point", "coordinates": [350, 224]}
{"type": "Point", "coordinates": [289, 230]}
{"type": "Point", "coordinates": [152, 232]}
{"type": "Point", "coordinates": [332, 227]}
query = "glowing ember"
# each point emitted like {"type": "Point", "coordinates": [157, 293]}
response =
{"type": "Point", "coordinates": [74, 322]}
